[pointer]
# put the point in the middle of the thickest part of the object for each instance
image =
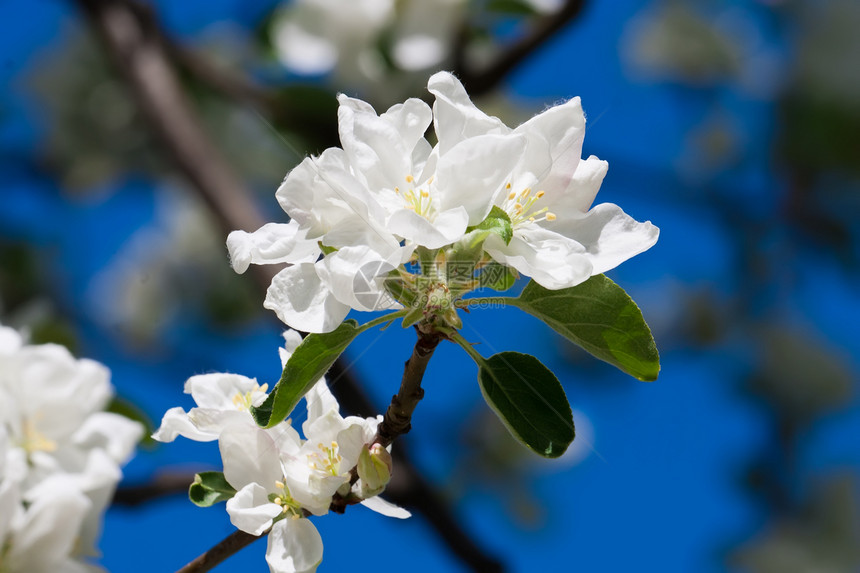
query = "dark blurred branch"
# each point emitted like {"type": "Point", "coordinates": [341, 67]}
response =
{"type": "Point", "coordinates": [236, 86]}
{"type": "Point", "coordinates": [479, 82]}
{"type": "Point", "coordinates": [163, 484]}
{"type": "Point", "coordinates": [133, 39]}
{"type": "Point", "coordinates": [231, 544]}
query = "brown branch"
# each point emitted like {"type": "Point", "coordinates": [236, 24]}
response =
{"type": "Point", "coordinates": [479, 82]}
{"type": "Point", "coordinates": [398, 417]}
{"type": "Point", "coordinates": [225, 548]}
{"type": "Point", "coordinates": [132, 37]}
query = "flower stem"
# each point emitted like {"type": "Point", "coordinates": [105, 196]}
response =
{"type": "Point", "coordinates": [398, 417]}
{"type": "Point", "coordinates": [219, 552]}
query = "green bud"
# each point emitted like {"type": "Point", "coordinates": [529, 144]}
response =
{"type": "Point", "coordinates": [374, 469]}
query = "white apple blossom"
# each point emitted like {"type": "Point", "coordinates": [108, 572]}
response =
{"type": "Point", "coordinates": [559, 239]}
{"type": "Point", "coordinates": [59, 456]}
{"type": "Point", "coordinates": [364, 210]}
{"type": "Point", "coordinates": [281, 479]}
{"type": "Point", "coordinates": [222, 399]}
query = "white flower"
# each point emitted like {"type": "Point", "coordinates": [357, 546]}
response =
{"type": "Point", "coordinates": [559, 239]}
{"type": "Point", "coordinates": [317, 36]}
{"type": "Point", "coordinates": [222, 399]}
{"type": "Point", "coordinates": [59, 455]}
{"type": "Point", "coordinates": [281, 479]}
{"type": "Point", "coordinates": [51, 405]}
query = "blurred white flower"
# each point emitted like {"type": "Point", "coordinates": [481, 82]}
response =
{"type": "Point", "coordinates": [317, 36]}
{"type": "Point", "coordinates": [59, 455]}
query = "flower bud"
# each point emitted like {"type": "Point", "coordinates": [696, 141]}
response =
{"type": "Point", "coordinates": [374, 469]}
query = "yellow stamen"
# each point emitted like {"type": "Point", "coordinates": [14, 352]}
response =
{"type": "Point", "coordinates": [425, 193]}
{"type": "Point", "coordinates": [409, 179]}
{"type": "Point", "coordinates": [526, 192]}
{"type": "Point", "coordinates": [539, 194]}
{"type": "Point", "coordinates": [508, 186]}
{"type": "Point", "coordinates": [511, 195]}
{"type": "Point", "coordinates": [550, 216]}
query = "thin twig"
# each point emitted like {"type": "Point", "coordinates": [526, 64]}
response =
{"type": "Point", "coordinates": [480, 82]}
{"type": "Point", "coordinates": [398, 418]}
{"type": "Point", "coordinates": [224, 549]}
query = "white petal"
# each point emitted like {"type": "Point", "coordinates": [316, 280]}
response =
{"type": "Point", "coordinates": [553, 261]}
{"type": "Point", "coordinates": [299, 298]}
{"type": "Point", "coordinates": [292, 339]}
{"type": "Point", "coordinates": [448, 226]}
{"type": "Point", "coordinates": [323, 429]}
{"type": "Point", "coordinates": [250, 509]}
{"type": "Point", "coordinates": [216, 390]}
{"type": "Point", "coordinates": [115, 434]}
{"type": "Point", "coordinates": [473, 172]}
{"type": "Point", "coordinates": [320, 400]}
{"type": "Point", "coordinates": [411, 119]}
{"type": "Point", "coordinates": [554, 145]}
{"type": "Point", "coordinates": [455, 117]}
{"type": "Point", "coordinates": [294, 546]}
{"type": "Point", "coordinates": [351, 274]}
{"type": "Point", "coordinates": [272, 243]}
{"type": "Point", "coordinates": [386, 508]}
{"type": "Point", "coordinates": [577, 195]}
{"type": "Point", "coordinates": [375, 146]}
{"type": "Point", "coordinates": [250, 456]}
{"type": "Point", "coordinates": [49, 528]}
{"type": "Point", "coordinates": [610, 236]}
{"type": "Point", "coordinates": [176, 423]}
{"type": "Point", "coordinates": [322, 194]}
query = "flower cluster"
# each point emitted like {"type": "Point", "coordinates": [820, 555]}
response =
{"type": "Point", "coordinates": [364, 216]}
{"type": "Point", "coordinates": [60, 456]}
{"type": "Point", "coordinates": [279, 477]}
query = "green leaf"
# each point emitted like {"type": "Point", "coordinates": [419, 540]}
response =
{"type": "Point", "coordinates": [530, 401]}
{"type": "Point", "coordinates": [601, 318]}
{"type": "Point", "coordinates": [497, 277]}
{"type": "Point", "coordinates": [210, 488]}
{"type": "Point", "coordinates": [498, 222]}
{"type": "Point", "coordinates": [311, 360]}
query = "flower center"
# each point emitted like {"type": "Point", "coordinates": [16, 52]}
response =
{"type": "Point", "coordinates": [419, 198]}
{"type": "Point", "coordinates": [327, 459]}
{"type": "Point", "coordinates": [243, 402]}
{"type": "Point", "coordinates": [289, 506]}
{"type": "Point", "coordinates": [35, 441]}
{"type": "Point", "coordinates": [521, 207]}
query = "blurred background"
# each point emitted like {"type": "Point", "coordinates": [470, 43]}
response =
{"type": "Point", "coordinates": [134, 136]}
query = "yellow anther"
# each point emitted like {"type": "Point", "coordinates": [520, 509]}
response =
{"type": "Point", "coordinates": [409, 179]}
{"type": "Point", "coordinates": [526, 192]}
{"type": "Point", "coordinates": [321, 446]}
{"type": "Point", "coordinates": [279, 485]}
{"type": "Point", "coordinates": [397, 189]}
{"type": "Point", "coordinates": [333, 444]}
{"type": "Point", "coordinates": [425, 193]}
{"type": "Point", "coordinates": [550, 216]}
{"type": "Point", "coordinates": [518, 208]}
{"type": "Point", "coordinates": [430, 181]}
{"type": "Point", "coordinates": [539, 194]}
{"type": "Point", "coordinates": [508, 186]}
{"type": "Point", "coordinates": [511, 195]}
{"type": "Point", "coordinates": [278, 500]}
{"type": "Point", "coordinates": [264, 387]}
{"type": "Point", "coordinates": [532, 219]}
